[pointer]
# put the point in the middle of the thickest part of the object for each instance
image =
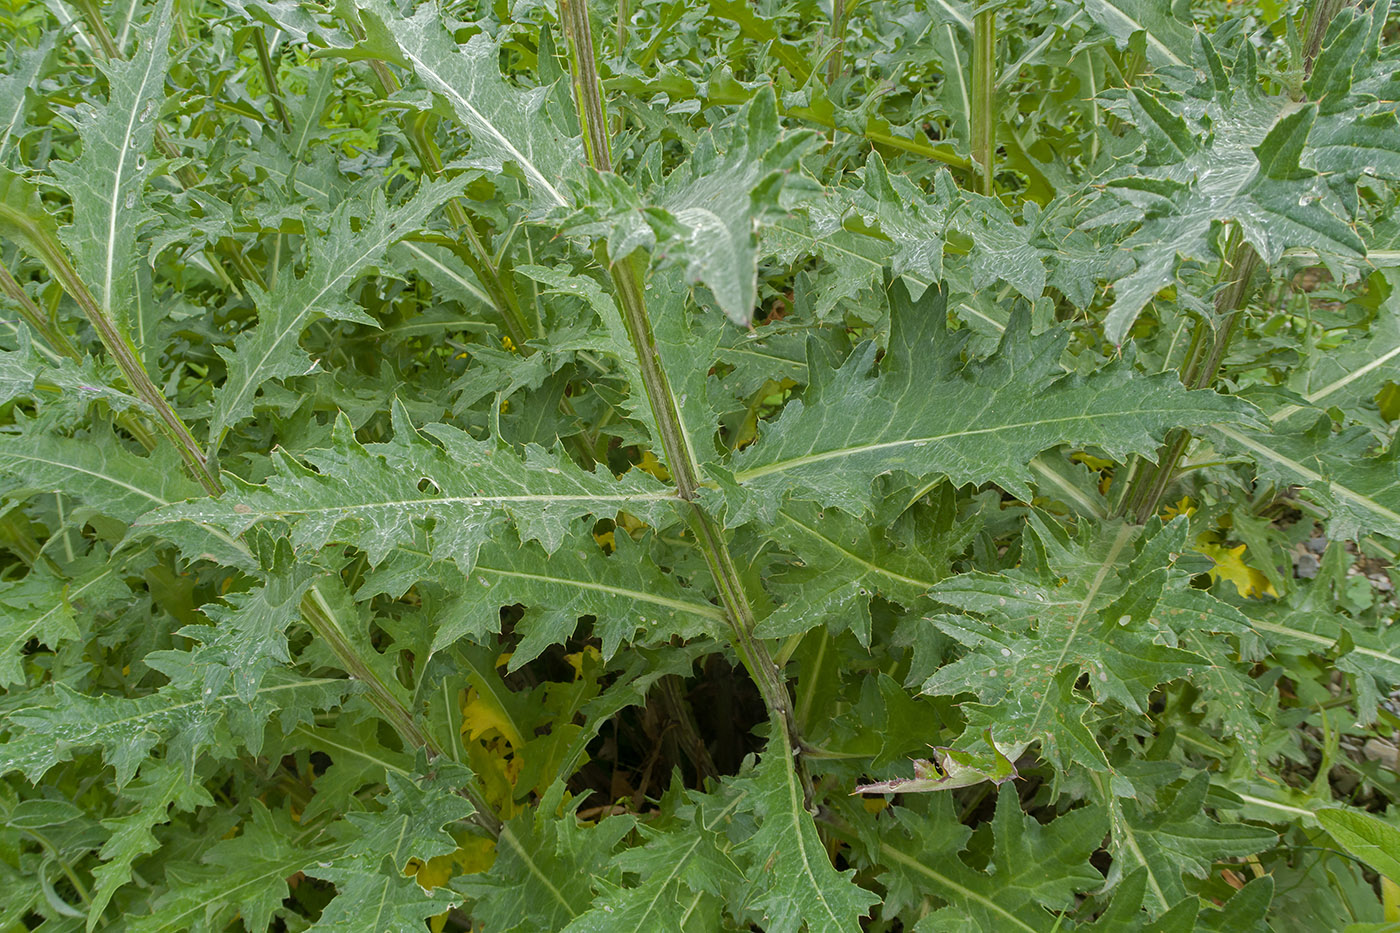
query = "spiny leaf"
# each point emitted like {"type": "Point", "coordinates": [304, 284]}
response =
{"type": "Point", "coordinates": [374, 893]}
{"type": "Point", "coordinates": [544, 864]}
{"type": "Point", "coordinates": [628, 596]}
{"type": "Point", "coordinates": [930, 414]}
{"type": "Point", "coordinates": [1168, 38]}
{"type": "Point", "coordinates": [1031, 866]}
{"type": "Point", "coordinates": [14, 90]}
{"type": "Point", "coordinates": [718, 201]}
{"type": "Point", "coordinates": [161, 786]}
{"type": "Point", "coordinates": [1031, 637]}
{"type": "Point", "coordinates": [793, 882]}
{"type": "Point", "coordinates": [509, 126]}
{"type": "Point", "coordinates": [1250, 174]}
{"type": "Point", "coordinates": [356, 237]}
{"type": "Point", "coordinates": [1358, 485]}
{"type": "Point", "coordinates": [42, 606]}
{"type": "Point", "coordinates": [111, 480]}
{"type": "Point", "coordinates": [376, 496]}
{"type": "Point", "coordinates": [1169, 834]}
{"type": "Point", "coordinates": [675, 867]}
{"type": "Point", "coordinates": [246, 636]}
{"type": "Point", "coordinates": [842, 563]}
{"type": "Point", "coordinates": [245, 875]}
{"type": "Point", "coordinates": [63, 722]}
{"type": "Point", "coordinates": [108, 178]}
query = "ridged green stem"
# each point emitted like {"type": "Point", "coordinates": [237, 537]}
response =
{"type": "Point", "coordinates": [314, 608]}
{"type": "Point", "coordinates": [1148, 484]}
{"type": "Point", "coordinates": [36, 318]}
{"type": "Point", "coordinates": [836, 62]}
{"type": "Point", "coordinates": [626, 274]}
{"type": "Point", "coordinates": [269, 73]}
{"type": "Point", "coordinates": [55, 258]}
{"type": "Point", "coordinates": [984, 48]}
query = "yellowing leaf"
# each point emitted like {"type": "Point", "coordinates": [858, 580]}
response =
{"type": "Point", "coordinates": [1092, 462]}
{"type": "Point", "coordinates": [1184, 506]}
{"type": "Point", "coordinates": [1230, 565]}
{"type": "Point", "coordinates": [649, 464]}
{"type": "Point", "coordinates": [481, 715]}
{"type": "Point", "coordinates": [579, 658]}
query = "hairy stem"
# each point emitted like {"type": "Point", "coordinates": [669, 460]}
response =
{"type": "Point", "coordinates": [36, 318]}
{"type": "Point", "coordinates": [984, 42]}
{"type": "Point", "coordinates": [1320, 14]}
{"type": "Point", "coordinates": [319, 616]}
{"type": "Point", "coordinates": [269, 74]}
{"type": "Point", "coordinates": [836, 63]}
{"type": "Point", "coordinates": [626, 273]}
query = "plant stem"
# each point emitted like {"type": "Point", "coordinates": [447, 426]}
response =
{"type": "Point", "coordinates": [623, 14]}
{"type": "Point", "coordinates": [314, 607]}
{"type": "Point", "coordinates": [55, 258]}
{"type": "Point", "coordinates": [418, 130]}
{"type": "Point", "coordinates": [476, 255]}
{"type": "Point", "coordinates": [1238, 267]}
{"type": "Point", "coordinates": [319, 616]}
{"type": "Point", "coordinates": [592, 113]}
{"type": "Point", "coordinates": [836, 63]}
{"type": "Point", "coordinates": [269, 74]}
{"type": "Point", "coordinates": [1199, 371]}
{"type": "Point", "coordinates": [984, 41]}
{"type": "Point", "coordinates": [626, 274]}
{"type": "Point", "coordinates": [1320, 15]}
{"type": "Point", "coordinates": [36, 318]}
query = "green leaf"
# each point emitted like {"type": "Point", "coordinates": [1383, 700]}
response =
{"type": "Point", "coordinates": [791, 881]}
{"type": "Point", "coordinates": [631, 600]}
{"type": "Point", "coordinates": [1374, 841]}
{"type": "Point", "coordinates": [1354, 372]}
{"type": "Point", "coordinates": [677, 867]}
{"type": "Point", "coordinates": [930, 414]}
{"type": "Point", "coordinates": [107, 180]}
{"type": "Point", "coordinates": [508, 126]}
{"type": "Point", "coordinates": [376, 496]}
{"type": "Point", "coordinates": [244, 876]}
{"type": "Point", "coordinates": [1358, 485]}
{"type": "Point", "coordinates": [161, 786]}
{"type": "Point", "coordinates": [1169, 835]}
{"type": "Point", "coordinates": [1032, 637]}
{"type": "Point", "coordinates": [356, 237]}
{"type": "Point", "coordinates": [43, 606]}
{"type": "Point", "coordinates": [1168, 38]}
{"type": "Point", "coordinates": [841, 563]}
{"type": "Point", "coordinates": [15, 93]}
{"type": "Point", "coordinates": [543, 869]}
{"type": "Point", "coordinates": [246, 636]}
{"type": "Point", "coordinates": [717, 202]}
{"type": "Point", "coordinates": [111, 480]}
{"type": "Point", "coordinates": [1250, 173]}
{"type": "Point", "coordinates": [373, 893]}
{"type": "Point", "coordinates": [61, 722]}
{"type": "Point", "coordinates": [1029, 866]}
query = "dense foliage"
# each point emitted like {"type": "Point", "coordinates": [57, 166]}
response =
{"type": "Point", "coordinates": [902, 465]}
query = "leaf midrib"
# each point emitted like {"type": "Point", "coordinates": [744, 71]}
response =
{"type": "Point", "coordinates": [743, 476]}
